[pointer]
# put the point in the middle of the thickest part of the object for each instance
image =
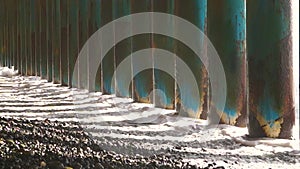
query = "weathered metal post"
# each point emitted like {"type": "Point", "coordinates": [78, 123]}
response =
{"type": "Point", "coordinates": [122, 49]}
{"type": "Point", "coordinates": [64, 41]}
{"type": "Point", "coordinates": [143, 81]}
{"type": "Point", "coordinates": [56, 42]}
{"type": "Point", "coordinates": [94, 22]}
{"type": "Point", "coordinates": [18, 30]}
{"type": "Point", "coordinates": [5, 32]}
{"type": "Point", "coordinates": [37, 45]}
{"type": "Point", "coordinates": [14, 34]}
{"type": "Point", "coordinates": [164, 82]}
{"type": "Point", "coordinates": [49, 40]}
{"type": "Point", "coordinates": [44, 41]}
{"type": "Point", "coordinates": [83, 36]}
{"type": "Point", "coordinates": [107, 64]}
{"type": "Point", "coordinates": [269, 44]}
{"type": "Point", "coordinates": [227, 32]}
{"type": "Point", "coordinates": [28, 39]}
{"type": "Point", "coordinates": [32, 26]}
{"type": "Point", "coordinates": [73, 41]}
{"type": "Point", "coordinates": [9, 34]}
{"type": "Point", "coordinates": [5, 58]}
{"type": "Point", "coordinates": [22, 37]}
{"type": "Point", "coordinates": [196, 13]}
{"type": "Point", "coordinates": [1, 31]}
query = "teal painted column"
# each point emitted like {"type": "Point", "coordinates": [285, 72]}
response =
{"type": "Point", "coordinates": [1, 32]}
{"type": "Point", "coordinates": [64, 44]}
{"type": "Point", "coordinates": [14, 34]}
{"type": "Point", "coordinates": [5, 32]}
{"type": "Point", "coordinates": [28, 38]}
{"type": "Point", "coordinates": [23, 38]}
{"type": "Point", "coordinates": [196, 13]}
{"type": "Point", "coordinates": [32, 25]}
{"type": "Point", "coordinates": [44, 41]}
{"type": "Point", "coordinates": [49, 40]}
{"type": "Point", "coordinates": [108, 60]}
{"type": "Point", "coordinates": [143, 81]}
{"type": "Point", "coordinates": [227, 32]}
{"type": "Point", "coordinates": [73, 41]}
{"type": "Point", "coordinates": [164, 82]}
{"type": "Point", "coordinates": [56, 42]}
{"type": "Point", "coordinates": [94, 22]}
{"type": "Point", "coordinates": [9, 35]}
{"type": "Point", "coordinates": [269, 44]}
{"type": "Point", "coordinates": [83, 36]}
{"type": "Point", "coordinates": [37, 9]}
{"type": "Point", "coordinates": [18, 65]}
{"type": "Point", "coordinates": [122, 50]}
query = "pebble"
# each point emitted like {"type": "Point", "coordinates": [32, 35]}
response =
{"type": "Point", "coordinates": [60, 145]}
{"type": "Point", "coordinates": [43, 164]}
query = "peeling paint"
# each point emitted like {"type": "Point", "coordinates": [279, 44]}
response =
{"type": "Point", "coordinates": [271, 105]}
{"type": "Point", "coordinates": [227, 32]}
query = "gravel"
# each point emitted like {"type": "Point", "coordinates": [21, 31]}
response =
{"type": "Point", "coordinates": [39, 128]}
{"type": "Point", "coordinates": [35, 144]}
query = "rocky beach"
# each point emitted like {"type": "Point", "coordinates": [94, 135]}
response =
{"type": "Point", "coordinates": [44, 125]}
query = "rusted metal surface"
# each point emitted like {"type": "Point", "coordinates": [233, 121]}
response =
{"type": "Point", "coordinates": [32, 25]}
{"type": "Point", "coordinates": [37, 8]}
{"type": "Point", "coordinates": [269, 43]}
{"type": "Point", "coordinates": [5, 56]}
{"type": "Point", "coordinates": [28, 35]}
{"type": "Point", "coordinates": [3, 45]}
{"type": "Point", "coordinates": [194, 12]}
{"type": "Point", "coordinates": [142, 82]}
{"type": "Point", "coordinates": [122, 50]}
{"type": "Point", "coordinates": [56, 42]}
{"type": "Point", "coordinates": [94, 22]}
{"type": "Point", "coordinates": [83, 36]}
{"type": "Point", "coordinates": [23, 38]}
{"type": "Point", "coordinates": [163, 81]}
{"type": "Point", "coordinates": [19, 28]}
{"type": "Point", "coordinates": [44, 41]}
{"type": "Point", "coordinates": [227, 32]}
{"type": "Point", "coordinates": [64, 41]}
{"type": "Point", "coordinates": [14, 34]}
{"type": "Point", "coordinates": [7, 34]}
{"type": "Point", "coordinates": [4, 35]}
{"type": "Point", "coordinates": [73, 41]}
{"type": "Point", "coordinates": [49, 9]}
{"type": "Point", "coordinates": [1, 32]}
{"type": "Point", "coordinates": [108, 60]}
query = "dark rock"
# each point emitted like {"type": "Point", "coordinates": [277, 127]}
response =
{"type": "Point", "coordinates": [55, 165]}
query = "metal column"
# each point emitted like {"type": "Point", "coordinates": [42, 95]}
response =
{"type": "Point", "coordinates": [143, 81]}
{"type": "Point", "coordinates": [122, 50]}
{"type": "Point", "coordinates": [227, 32]}
{"type": "Point", "coordinates": [269, 44]}
{"type": "Point", "coordinates": [196, 13]}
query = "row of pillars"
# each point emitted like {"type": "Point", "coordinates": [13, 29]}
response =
{"type": "Point", "coordinates": [252, 38]}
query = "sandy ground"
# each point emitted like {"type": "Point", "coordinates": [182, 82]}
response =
{"type": "Point", "coordinates": [139, 130]}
